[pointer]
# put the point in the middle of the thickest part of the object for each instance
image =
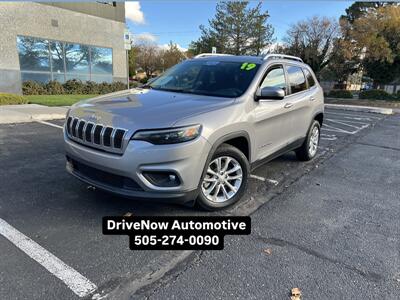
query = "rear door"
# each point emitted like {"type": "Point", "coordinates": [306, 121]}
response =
{"type": "Point", "coordinates": [299, 103]}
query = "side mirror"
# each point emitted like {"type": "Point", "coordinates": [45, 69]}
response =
{"type": "Point", "coordinates": [270, 93]}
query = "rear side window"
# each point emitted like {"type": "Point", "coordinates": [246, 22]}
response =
{"type": "Point", "coordinates": [310, 78]}
{"type": "Point", "coordinates": [297, 81]}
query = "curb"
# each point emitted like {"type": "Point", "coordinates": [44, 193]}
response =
{"type": "Point", "coordinates": [10, 114]}
{"type": "Point", "coordinates": [26, 118]}
{"type": "Point", "coordinates": [369, 109]}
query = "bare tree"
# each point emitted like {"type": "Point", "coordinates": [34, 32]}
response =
{"type": "Point", "coordinates": [148, 57]}
{"type": "Point", "coordinates": [313, 41]}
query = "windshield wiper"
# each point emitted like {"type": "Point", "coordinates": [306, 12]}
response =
{"type": "Point", "coordinates": [170, 90]}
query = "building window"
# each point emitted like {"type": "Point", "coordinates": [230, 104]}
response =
{"type": "Point", "coordinates": [33, 54]}
{"type": "Point", "coordinates": [44, 60]}
{"type": "Point", "coordinates": [77, 59]}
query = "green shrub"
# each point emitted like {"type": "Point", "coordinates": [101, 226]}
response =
{"type": "Point", "coordinates": [376, 95]}
{"type": "Point", "coordinates": [143, 80]}
{"type": "Point", "coordinates": [340, 94]}
{"type": "Point", "coordinates": [134, 84]}
{"type": "Point", "coordinates": [91, 87]}
{"type": "Point", "coordinates": [54, 88]}
{"type": "Point", "coordinates": [104, 88]}
{"type": "Point", "coordinates": [74, 86]}
{"type": "Point", "coordinates": [33, 88]}
{"type": "Point", "coordinates": [118, 86]}
{"type": "Point", "coordinates": [6, 99]}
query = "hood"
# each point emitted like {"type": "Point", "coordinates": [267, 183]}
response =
{"type": "Point", "coordinates": [144, 109]}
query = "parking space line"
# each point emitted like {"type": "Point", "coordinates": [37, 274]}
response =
{"type": "Point", "coordinates": [328, 137]}
{"type": "Point", "coordinates": [334, 129]}
{"type": "Point", "coordinates": [50, 124]}
{"type": "Point", "coordinates": [353, 115]}
{"type": "Point", "coordinates": [79, 284]}
{"type": "Point", "coordinates": [274, 182]}
{"type": "Point", "coordinates": [346, 124]}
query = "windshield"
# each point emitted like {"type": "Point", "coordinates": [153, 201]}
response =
{"type": "Point", "coordinates": [212, 78]}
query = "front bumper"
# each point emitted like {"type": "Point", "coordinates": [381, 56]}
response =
{"type": "Point", "coordinates": [123, 174]}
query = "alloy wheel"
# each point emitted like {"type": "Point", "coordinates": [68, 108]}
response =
{"type": "Point", "coordinates": [314, 140]}
{"type": "Point", "coordinates": [223, 179]}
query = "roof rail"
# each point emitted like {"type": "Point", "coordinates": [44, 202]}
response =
{"type": "Point", "coordinates": [211, 54]}
{"type": "Point", "coordinates": [283, 56]}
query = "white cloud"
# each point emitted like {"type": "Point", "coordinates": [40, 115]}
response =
{"type": "Point", "coordinates": [166, 46]}
{"type": "Point", "coordinates": [134, 13]}
{"type": "Point", "coordinates": [145, 36]}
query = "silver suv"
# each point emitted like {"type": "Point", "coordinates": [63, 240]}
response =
{"type": "Point", "coordinates": [194, 133]}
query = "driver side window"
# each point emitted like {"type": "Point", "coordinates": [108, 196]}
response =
{"type": "Point", "coordinates": [275, 78]}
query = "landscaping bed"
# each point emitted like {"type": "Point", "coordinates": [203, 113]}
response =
{"type": "Point", "coordinates": [364, 102]}
{"type": "Point", "coordinates": [56, 100]}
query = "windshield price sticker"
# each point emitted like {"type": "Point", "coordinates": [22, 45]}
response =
{"type": "Point", "coordinates": [176, 233]}
{"type": "Point", "coordinates": [248, 66]}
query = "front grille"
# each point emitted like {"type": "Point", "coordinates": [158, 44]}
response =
{"type": "Point", "coordinates": [103, 177]}
{"type": "Point", "coordinates": [96, 135]}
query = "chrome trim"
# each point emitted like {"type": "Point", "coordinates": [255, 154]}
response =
{"type": "Point", "coordinates": [112, 138]}
{"type": "Point", "coordinates": [92, 133]}
{"type": "Point", "coordinates": [76, 127]}
{"type": "Point", "coordinates": [84, 131]}
{"type": "Point", "coordinates": [100, 146]}
{"type": "Point", "coordinates": [102, 136]}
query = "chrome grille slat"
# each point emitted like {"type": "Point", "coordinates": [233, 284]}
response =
{"type": "Point", "coordinates": [102, 135]}
{"type": "Point", "coordinates": [76, 128]}
{"type": "Point", "coordinates": [110, 139]}
{"type": "Point", "coordinates": [84, 131]}
{"type": "Point", "coordinates": [92, 133]}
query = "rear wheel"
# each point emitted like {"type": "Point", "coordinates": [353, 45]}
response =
{"type": "Point", "coordinates": [225, 178]}
{"type": "Point", "coordinates": [308, 150]}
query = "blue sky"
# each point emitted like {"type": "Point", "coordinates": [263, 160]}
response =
{"type": "Point", "coordinates": [179, 21]}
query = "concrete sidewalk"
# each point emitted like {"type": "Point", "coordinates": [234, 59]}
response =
{"type": "Point", "coordinates": [30, 112]}
{"type": "Point", "coordinates": [334, 234]}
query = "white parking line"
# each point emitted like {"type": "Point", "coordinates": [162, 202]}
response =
{"type": "Point", "coordinates": [50, 124]}
{"type": "Point", "coordinates": [327, 127]}
{"type": "Point", "coordinates": [328, 137]}
{"type": "Point", "coordinates": [79, 284]}
{"type": "Point", "coordinates": [274, 182]}
{"type": "Point", "coordinates": [353, 115]}
{"type": "Point", "coordinates": [345, 123]}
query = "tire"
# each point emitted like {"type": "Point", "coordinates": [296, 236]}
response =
{"type": "Point", "coordinates": [222, 195]}
{"type": "Point", "coordinates": [307, 151]}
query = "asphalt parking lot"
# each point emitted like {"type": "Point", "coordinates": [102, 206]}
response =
{"type": "Point", "coordinates": [42, 202]}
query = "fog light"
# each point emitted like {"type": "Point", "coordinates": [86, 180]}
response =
{"type": "Point", "coordinates": [162, 179]}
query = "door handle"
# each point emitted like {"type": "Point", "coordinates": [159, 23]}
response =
{"type": "Point", "coordinates": [288, 105]}
{"type": "Point", "coordinates": [312, 98]}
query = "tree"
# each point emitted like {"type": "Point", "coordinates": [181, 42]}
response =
{"type": "Point", "coordinates": [171, 56]}
{"type": "Point", "coordinates": [342, 63]}
{"type": "Point", "coordinates": [376, 32]}
{"type": "Point", "coordinates": [132, 55]}
{"type": "Point", "coordinates": [359, 9]}
{"type": "Point", "coordinates": [262, 32]}
{"type": "Point", "coordinates": [148, 57]}
{"type": "Point", "coordinates": [236, 29]}
{"type": "Point", "coordinates": [313, 40]}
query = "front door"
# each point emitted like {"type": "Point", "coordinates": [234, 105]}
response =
{"type": "Point", "coordinates": [271, 124]}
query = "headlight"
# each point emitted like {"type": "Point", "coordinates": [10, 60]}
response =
{"type": "Point", "coordinates": [168, 136]}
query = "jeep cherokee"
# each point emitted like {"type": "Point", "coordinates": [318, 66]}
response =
{"type": "Point", "coordinates": [195, 132]}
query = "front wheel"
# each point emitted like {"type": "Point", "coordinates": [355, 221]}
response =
{"type": "Point", "coordinates": [225, 178]}
{"type": "Point", "coordinates": [308, 150]}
